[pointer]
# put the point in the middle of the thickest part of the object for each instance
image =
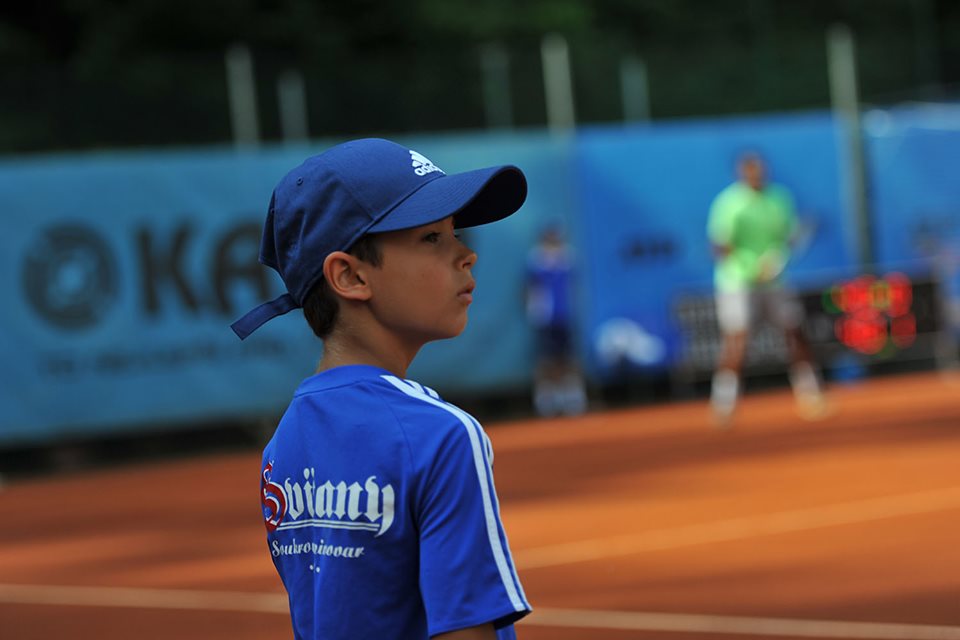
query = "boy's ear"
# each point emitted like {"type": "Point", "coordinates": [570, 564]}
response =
{"type": "Point", "coordinates": [342, 272]}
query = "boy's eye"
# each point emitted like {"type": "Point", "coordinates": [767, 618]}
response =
{"type": "Point", "coordinates": [433, 237]}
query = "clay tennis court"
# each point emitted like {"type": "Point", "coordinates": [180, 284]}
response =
{"type": "Point", "coordinates": [634, 523]}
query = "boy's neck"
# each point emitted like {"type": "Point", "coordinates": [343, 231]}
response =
{"type": "Point", "coordinates": [340, 350]}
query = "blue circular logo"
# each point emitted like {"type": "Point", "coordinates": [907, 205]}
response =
{"type": "Point", "coordinates": [70, 276]}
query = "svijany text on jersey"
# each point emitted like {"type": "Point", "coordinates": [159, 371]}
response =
{"type": "Point", "coordinates": [295, 505]}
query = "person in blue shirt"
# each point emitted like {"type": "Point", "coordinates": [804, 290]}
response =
{"type": "Point", "coordinates": [378, 496]}
{"type": "Point", "coordinates": [558, 385]}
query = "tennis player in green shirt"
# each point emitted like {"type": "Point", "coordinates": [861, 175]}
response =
{"type": "Point", "coordinates": [751, 226]}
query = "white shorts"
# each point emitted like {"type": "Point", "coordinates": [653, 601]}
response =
{"type": "Point", "coordinates": [738, 311]}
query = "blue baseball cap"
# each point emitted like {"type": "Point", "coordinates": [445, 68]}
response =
{"type": "Point", "coordinates": [366, 186]}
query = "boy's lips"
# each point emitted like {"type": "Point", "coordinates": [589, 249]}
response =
{"type": "Point", "coordinates": [466, 293]}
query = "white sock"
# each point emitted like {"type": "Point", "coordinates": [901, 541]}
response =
{"type": "Point", "coordinates": [724, 391]}
{"type": "Point", "coordinates": [574, 395]}
{"type": "Point", "coordinates": [804, 380]}
{"type": "Point", "coordinates": [545, 398]}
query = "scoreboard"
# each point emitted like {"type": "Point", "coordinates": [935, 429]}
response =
{"type": "Point", "coordinates": [881, 318]}
{"type": "Point", "coordinates": [876, 315]}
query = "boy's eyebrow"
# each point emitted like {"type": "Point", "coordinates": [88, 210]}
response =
{"type": "Point", "coordinates": [439, 224]}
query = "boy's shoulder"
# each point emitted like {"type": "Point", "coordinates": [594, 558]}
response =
{"type": "Point", "coordinates": [363, 392]}
{"type": "Point", "coordinates": [353, 416]}
{"type": "Point", "coordinates": [422, 413]}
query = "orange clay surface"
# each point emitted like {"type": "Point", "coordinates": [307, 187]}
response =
{"type": "Point", "coordinates": [634, 523]}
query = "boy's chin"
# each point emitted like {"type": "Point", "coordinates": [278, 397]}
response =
{"type": "Point", "coordinates": [453, 331]}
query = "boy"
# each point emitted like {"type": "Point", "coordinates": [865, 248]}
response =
{"type": "Point", "coordinates": [378, 497]}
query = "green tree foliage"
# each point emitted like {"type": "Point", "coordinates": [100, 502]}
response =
{"type": "Point", "coordinates": [93, 73]}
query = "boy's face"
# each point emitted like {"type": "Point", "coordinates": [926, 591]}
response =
{"type": "Point", "coordinates": [424, 285]}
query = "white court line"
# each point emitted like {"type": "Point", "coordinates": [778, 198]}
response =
{"type": "Point", "coordinates": [739, 528]}
{"type": "Point", "coordinates": [143, 598]}
{"type": "Point", "coordinates": [767, 627]}
{"type": "Point", "coordinates": [563, 618]}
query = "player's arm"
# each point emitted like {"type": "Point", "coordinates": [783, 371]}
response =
{"type": "Point", "coordinates": [483, 632]}
{"type": "Point", "coordinates": [720, 221]}
{"type": "Point", "coordinates": [720, 251]}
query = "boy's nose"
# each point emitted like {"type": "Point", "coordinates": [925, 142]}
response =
{"type": "Point", "coordinates": [469, 260]}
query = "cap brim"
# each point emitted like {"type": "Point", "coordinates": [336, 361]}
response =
{"type": "Point", "coordinates": [473, 197]}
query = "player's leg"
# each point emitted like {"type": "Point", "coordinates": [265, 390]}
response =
{"type": "Point", "coordinates": [804, 374]}
{"type": "Point", "coordinates": [542, 373]}
{"type": "Point", "coordinates": [545, 387]}
{"type": "Point", "coordinates": [573, 388]}
{"type": "Point", "coordinates": [805, 377]}
{"type": "Point", "coordinates": [558, 385]}
{"type": "Point", "coordinates": [733, 318]}
{"type": "Point", "coordinates": [725, 387]}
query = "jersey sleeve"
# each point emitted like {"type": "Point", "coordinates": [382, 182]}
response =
{"type": "Point", "coordinates": [720, 221]}
{"type": "Point", "coordinates": [467, 575]}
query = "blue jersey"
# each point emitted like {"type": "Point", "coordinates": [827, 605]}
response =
{"type": "Point", "coordinates": [549, 284]}
{"type": "Point", "coordinates": [381, 513]}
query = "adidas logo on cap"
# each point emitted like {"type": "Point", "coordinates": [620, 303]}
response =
{"type": "Point", "coordinates": [422, 165]}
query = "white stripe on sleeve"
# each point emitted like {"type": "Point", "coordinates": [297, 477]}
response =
{"type": "Point", "coordinates": [507, 572]}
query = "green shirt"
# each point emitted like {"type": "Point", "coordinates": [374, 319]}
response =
{"type": "Point", "coordinates": [757, 226]}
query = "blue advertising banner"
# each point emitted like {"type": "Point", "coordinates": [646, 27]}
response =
{"type": "Point", "coordinates": [914, 190]}
{"type": "Point", "coordinates": [122, 273]}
